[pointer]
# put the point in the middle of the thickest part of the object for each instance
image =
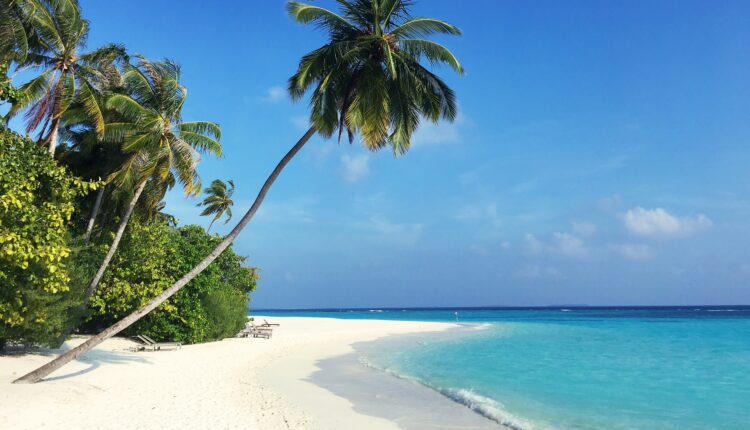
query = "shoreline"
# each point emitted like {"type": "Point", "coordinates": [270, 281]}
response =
{"type": "Point", "coordinates": [234, 383]}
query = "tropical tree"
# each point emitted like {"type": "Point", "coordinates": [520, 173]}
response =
{"type": "Point", "coordinates": [369, 78]}
{"type": "Point", "coordinates": [15, 29]}
{"type": "Point", "coordinates": [59, 35]}
{"type": "Point", "coordinates": [86, 153]}
{"type": "Point", "coordinates": [161, 149]}
{"type": "Point", "coordinates": [37, 199]}
{"type": "Point", "coordinates": [218, 201]}
{"type": "Point", "coordinates": [15, 32]}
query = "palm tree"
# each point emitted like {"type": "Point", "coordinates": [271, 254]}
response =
{"type": "Point", "coordinates": [15, 29]}
{"type": "Point", "coordinates": [368, 79]}
{"type": "Point", "coordinates": [87, 154]}
{"type": "Point", "coordinates": [161, 148]}
{"type": "Point", "coordinates": [59, 34]}
{"type": "Point", "coordinates": [219, 201]}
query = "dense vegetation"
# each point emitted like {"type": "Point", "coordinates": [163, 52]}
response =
{"type": "Point", "coordinates": [109, 142]}
{"type": "Point", "coordinates": [37, 198]}
{"type": "Point", "coordinates": [151, 257]}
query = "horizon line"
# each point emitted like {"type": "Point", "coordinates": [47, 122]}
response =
{"type": "Point", "coordinates": [576, 306]}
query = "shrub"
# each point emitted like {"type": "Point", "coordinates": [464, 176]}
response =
{"type": "Point", "coordinates": [36, 203]}
{"type": "Point", "coordinates": [151, 257]}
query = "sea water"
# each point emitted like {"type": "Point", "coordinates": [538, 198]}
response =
{"type": "Point", "coordinates": [580, 368]}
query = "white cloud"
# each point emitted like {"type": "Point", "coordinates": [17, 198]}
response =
{"type": "Point", "coordinates": [568, 245]}
{"type": "Point", "coordinates": [634, 251]}
{"type": "Point", "coordinates": [534, 271]}
{"type": "Point", "coordinates": [274, 94]}
{"type": "Point", "coordinates": [443, 132]}
{"type": "Point", "coordinates": [584, 228]}
{"type": "Point", "coordinates": [407, 233]}
{"type": "Point", "coordinates": [487, 213]}
{"type": "Point", "coordinates": [297, 210]}
{"type": "Point", "coordinates": [660, 223]}
{"type": "Point", "coordinates": [355, 167]}
{"type": "Point", "coordinates": [533, 245]}
{"type": "Point", "coordinates": [564, 244]}
{"type": "Point", "coordinates": [611, 203]}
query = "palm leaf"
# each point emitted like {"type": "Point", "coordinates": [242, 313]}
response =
{"type": "Point", "coordinates": [416, 27]}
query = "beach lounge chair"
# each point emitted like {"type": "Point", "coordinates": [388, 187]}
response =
{"type": "Point", "coordinates": [150, 344]}
{"type": "Point", "coordinates": [268, 324]}
{"type": "Point", "coordinates": [256, 331]}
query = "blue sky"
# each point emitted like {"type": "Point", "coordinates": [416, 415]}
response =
{"type": "Point", "coordinates": [600, 157]}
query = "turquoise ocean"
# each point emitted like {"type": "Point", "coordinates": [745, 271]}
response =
{"type": "Point", "coordinates": [665, 368]}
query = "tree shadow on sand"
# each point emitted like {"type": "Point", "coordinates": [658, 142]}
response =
{"type": "Point", "coordinates": [94, 358]}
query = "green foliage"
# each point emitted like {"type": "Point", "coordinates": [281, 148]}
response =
{"type": "Point", "coordinates": [151, 257]}
{"type": "Point", "coordinates": [36, 204]}
{"type": "Point", "coordinates": [159, 144]}
{"type": "Point", "coordinates": [218, 201]}
{"type": "Point", "coordinates": [8, 93]}
{"type": "Point", "coordinates": [68, 75]}
{"type": "Point", "coordinates": [370, 77]}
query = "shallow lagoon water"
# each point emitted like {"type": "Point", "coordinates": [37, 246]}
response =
{"type": "Point", "coordinates": [581, 368]}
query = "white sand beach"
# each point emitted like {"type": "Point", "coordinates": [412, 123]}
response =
{"type": "Point", "coordinates": [234, 383]}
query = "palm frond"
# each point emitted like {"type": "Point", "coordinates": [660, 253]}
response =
{"type": "Point", "coordinates": [434, 52]}
{"type": "Point", "coordinates": [210, 129]}
{"type": "Point", "coordinates": [417, 27]}
{"type": "Point", "coordinates": [323, 18]}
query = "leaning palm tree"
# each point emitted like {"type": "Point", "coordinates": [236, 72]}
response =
{"type": "Point", "coordinates": [368, 79]}
{"type": "Point", "coordinates": [59, 34]}
{"type": "Point", "coordinates": [218, 201]}
{"type": "Point", "coordinates": [161, 148]}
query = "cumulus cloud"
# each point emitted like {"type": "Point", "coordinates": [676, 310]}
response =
{"type": "Point", "coordinates": [274, 94]}
{"type": "Point", "coordinates": [355, 167]}
{"type": "Point", "coordinates": [660, 223]}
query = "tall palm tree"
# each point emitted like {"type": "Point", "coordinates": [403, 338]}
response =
{"type": "Point", "coordinates": [87, 154]}
{"type": "Point", "coordinates": [219, 201]}
{"type": "Point", "coordinates": [368, 79]}
{"type": "Point", "coordinates": [161, 148]}
{"type": "Point", "coordinates": [67, 74]}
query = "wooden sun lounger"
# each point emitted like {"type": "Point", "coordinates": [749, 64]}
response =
{"type": "Point", "coordinates": [268, 324]}
{"type": "Point", "coordinates": [256, 331]}
{"type": "Point", "coordinates": [150, 344]}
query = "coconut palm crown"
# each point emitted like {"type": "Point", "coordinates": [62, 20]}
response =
{"type": "Point", "coordinates": [158, 144]}
{"type": "Point", "coordinates": [59, 34]}
{"type": "Point", "coordinates": [218, 201]}
{"type": "Point", "coordinates": [370, 77]}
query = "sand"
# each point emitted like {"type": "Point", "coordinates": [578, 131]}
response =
{"type": "Point", "coordinates": [234, 383]}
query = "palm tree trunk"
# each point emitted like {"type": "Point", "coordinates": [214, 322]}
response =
{"type": "Point", "coordinates": [52, 137]}
{"type": "Point", "coordinates": [38, 374]}
{"type": "Point", "coordinates": [115, 243]}
{"type": "Point", "coordinates": [94, 213]}
{"type": "Point", "coordinates": [209, 226]}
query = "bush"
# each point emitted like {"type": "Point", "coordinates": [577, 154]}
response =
{"type": "Point", "coordinates": [36, 203]}
{"type": "Point", "coordinates": [150, 258]}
